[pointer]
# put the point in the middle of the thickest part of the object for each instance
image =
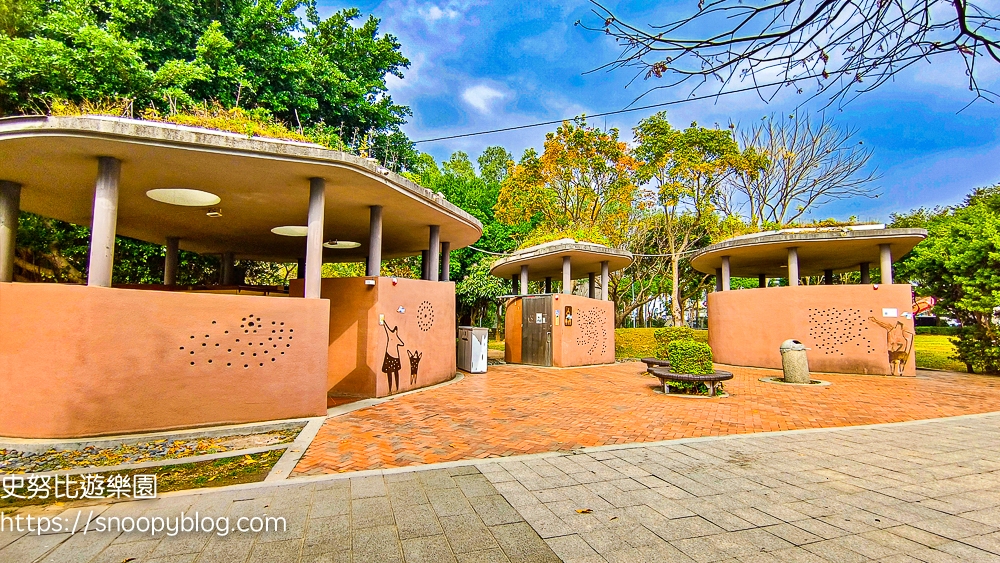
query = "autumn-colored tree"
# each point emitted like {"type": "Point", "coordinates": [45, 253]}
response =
{"type": "Point", "coordinates": [583, 187]}
{"type": "Point", "coordinates": [583, 180]}
{"type": "Point", "coordinates": [687, 168]}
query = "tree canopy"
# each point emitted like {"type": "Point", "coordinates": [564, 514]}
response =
{"type": "Point", "coordinates": [167, 54]}
{"type": "Point", "coordinates": [959, 264]}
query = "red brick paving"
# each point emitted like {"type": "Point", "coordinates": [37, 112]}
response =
{"type": "Point", "coordinates": [522, 410]}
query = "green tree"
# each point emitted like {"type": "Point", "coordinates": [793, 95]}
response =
{"type": "Point", "coordinates": [305, 71]}
{"type": "Point", "coordinates": [959, 264]}
{"type": "Point", "coordinates": [687, 168]}
{"type": "Point", "coordinates": [269, 58]}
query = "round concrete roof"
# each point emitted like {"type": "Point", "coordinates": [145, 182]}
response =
{"type": "Point", "coordinates": [262, 183]}
{"type": "Point", "coordinates": [545, 260]}
{"type": "Point", "coordinates": [841, 249]}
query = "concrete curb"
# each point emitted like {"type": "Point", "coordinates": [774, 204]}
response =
{"type": "Point", "coordinates": [158, 463]}
{"type": "Point", "coordinates": [39, 446]}
{"type": "Point", "coordinates": [296, 449]}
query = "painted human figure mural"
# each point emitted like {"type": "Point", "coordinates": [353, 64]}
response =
{"type": "Point", "coordinates": [391, 364]}
{"type": "Point", "coordinates": [898, 342]}
{"type": "Point", "coordinates": [414, 364]}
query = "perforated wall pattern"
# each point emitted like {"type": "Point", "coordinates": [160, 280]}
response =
{"type": "Point", "coordinates": [834, 330]}
{"type": "Point", "coordinates": [251, 342]}
{"type": "Point", "coordinates": [425, 316]}
{"type": "Point", "coordinates": [593, 332]}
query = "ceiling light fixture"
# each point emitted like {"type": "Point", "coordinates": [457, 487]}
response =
{"type": "Point", "coordinates": [183, 197]}
{"type": "Point", "coordinates": [291, 231]}
{"type": "Point", "coordinates": [341, 244]}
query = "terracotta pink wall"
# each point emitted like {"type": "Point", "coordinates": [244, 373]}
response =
{"type": "Point", "coordinates": [589, 340]}
{"type": "Point", "coordinates": [85, 361]}
{"type": "Point", "coordinates": [746, 327]}
{"type": "Point", "coordinates": [358, 343]}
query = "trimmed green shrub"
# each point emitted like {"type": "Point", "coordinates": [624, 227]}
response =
{"type": "Point", "coordinates": [664, 336]}
{"type": "Point", "coordinates": [939, 330]}
{"type": "Point", "coordinates": [634, 343]}
{"type": "Point", "coordinates": [688, 356]}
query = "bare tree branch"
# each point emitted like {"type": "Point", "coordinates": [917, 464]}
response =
{"type": "Point", "coordinates": [834, 48]}
{"type": "Point", "coordinates": [809, 163]}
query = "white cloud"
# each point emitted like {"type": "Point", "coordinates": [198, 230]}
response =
{"type": "Point", "coordinates": [481, 97]}
{"type": "Point", "coordinates": [435, 13]}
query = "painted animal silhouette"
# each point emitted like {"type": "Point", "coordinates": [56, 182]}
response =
{"type": "Point", "coordinates": [391, 364]}
{"type": "Point", "coordinates": [899, 341]}
{"type": "Point", "coordinates": [414, 362]}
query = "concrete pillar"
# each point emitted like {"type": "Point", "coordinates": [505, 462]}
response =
{"type": "Point", "coordinates": [300, 270]}
{"type": "Point", "coordinates": [524, 280]}
{"type": "Point", "coordinates": [423, 265]}
{"type": "Point", "coordinates": [591, 285]}
{"type": "Point", "coordinates": [10, 208]}
{"type": "Point", "coordinates": [446, 261]}
{"type": "Point", "coordinates": [885, 253]}
{"type": "Point", "coordinates": [793, 266]}
{"type": "Point", "coordinates": [866, 276]}
{"type": "Point", "coordinates": [718, 279]}
{"type": "Point", "coordinates": [374, 266]}
{"type": "Point", "coordinates": [567, 284]}
{"type": "Point", "coordinates": [102, 233]}
{"type": "Point", "coordinates": [314, 237]}
{"type": "Point", "coordinates": [827, 277]}
{"type": "Point", "coordinates": [171, 261]}
{"type": "Point", "coordinates": [228, 268]}
{"type": "Point", "coordinates": [761, 280]}
{"type": "Point", "coordinates": [434, 253]}
{"type": "Point", "coordinates": [725, 273]}
{"type": "Point", "coordinates": [605, 280]}
{"type": "Point", "coordinates": [548, 284]}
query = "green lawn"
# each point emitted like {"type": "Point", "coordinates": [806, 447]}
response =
{"type": "Point", "coordinates": [934, 352]}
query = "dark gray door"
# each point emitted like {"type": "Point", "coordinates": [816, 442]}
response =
{"type": "Point", "coordinates": [536, 330]}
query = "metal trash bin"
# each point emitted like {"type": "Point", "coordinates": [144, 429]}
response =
{"type": "Point", "coordinates": [473, 343]}
{"type": "Point", "coordinates": [794, 362]}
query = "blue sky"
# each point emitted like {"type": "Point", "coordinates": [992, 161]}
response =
{"type": "Point", "coordinates": [477, 66]}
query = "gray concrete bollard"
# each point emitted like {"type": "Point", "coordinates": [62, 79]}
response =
{"type": "Point", "coordinates": [794, 363]}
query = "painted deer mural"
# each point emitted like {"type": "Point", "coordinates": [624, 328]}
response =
{"type": "Point", "coordinates": [414, 362]}
{"type": "Point", "coordinates": [391, 364]}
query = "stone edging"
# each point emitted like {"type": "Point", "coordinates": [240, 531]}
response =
{"type": "Point", "coordinates": [780, 381]}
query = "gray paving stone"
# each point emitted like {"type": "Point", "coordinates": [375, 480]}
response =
{"type": "Point", "coordinates": [365, 487]}
{"type": "Point", "coordinates": [521, 544]}
{"type": "Point", "coordinates": [416, 521]}
{"type": "Point", "coordinates": [428, 549]}
{"type": "Point", "coordinates": [285, 550]}
{"type": "Point", "coordinates": [570, 547]}
{"type": "Point", "coordinates": [377, 544]}
{"type": "Point", "coordinates": [371, 512]}
{"type": "Point", "coordinates": [449, 502]}
{"type": "Point", "coordinates": [466, 532]}
{"type": "Point", "coordinates": [495, 510]}
{"type": "Point", "coordinates": [495, 555]}
{"type": "Point", "coordinates": [325, 535]}
{"type": "Point", "coordinates": [475, 485]}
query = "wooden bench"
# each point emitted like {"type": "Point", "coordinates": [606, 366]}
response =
{"type": "Point", "coordinates": [654, 363]}
{"type": "Point", "coordinates": [665, 376]}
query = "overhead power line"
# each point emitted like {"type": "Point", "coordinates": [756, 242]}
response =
{"type": "Point", "coordinates": [558, 121]}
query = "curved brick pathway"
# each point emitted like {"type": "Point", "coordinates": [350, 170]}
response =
{"type": "Point", "coordinates": [520, 410]}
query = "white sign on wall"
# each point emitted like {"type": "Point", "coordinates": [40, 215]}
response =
{"type": "Point", "coordinates": [890, 312]}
